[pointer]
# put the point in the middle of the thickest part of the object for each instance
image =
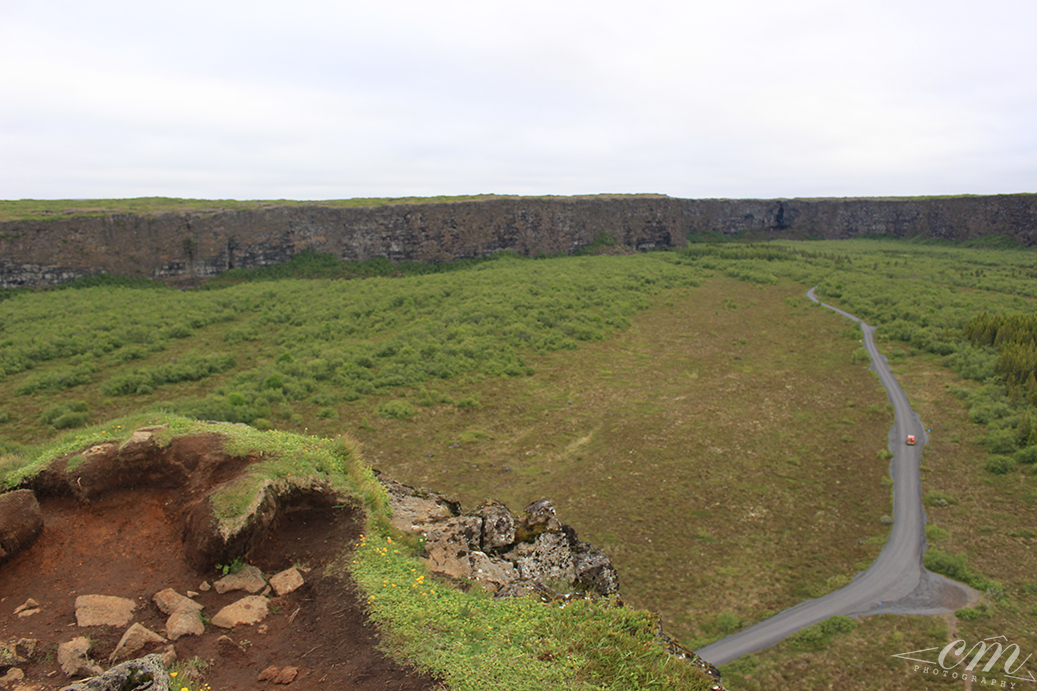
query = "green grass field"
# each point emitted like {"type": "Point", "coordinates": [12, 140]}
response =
{"type": "Point", "coordinates": [690, 412]}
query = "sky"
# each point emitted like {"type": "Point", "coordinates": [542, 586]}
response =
{"type": "Point", "coordinates": [332, 100]}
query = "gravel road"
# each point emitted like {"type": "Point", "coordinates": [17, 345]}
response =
{"type": "Point", "coordinates": [896, 583]}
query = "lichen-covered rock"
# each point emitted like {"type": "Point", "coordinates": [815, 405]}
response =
{"type": "Point", "coordinates": [412, 509]}
{"type": "Point", "coordinates": [21, 522]}
{"type": "Point", "coordinates": [498, 528]}
{"type": "Point", "coordinates": [551, 560]}
{"type": "Point", "coordinates": [594, 570]}
{"type": "Point", "coordinates": [448, 544]}
{"type": "Point", "coordinates": [143, 674]}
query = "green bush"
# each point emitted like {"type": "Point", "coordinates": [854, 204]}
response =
{"type": "Point", "coordinates": [1026, 456]}
{"type": "Point", "coordinates": [819, 635]}
{"type": "Point", "coordinates": [396, 410]}
{"type": "Point", "coordinates": [954, 566]}
{"type": "Point", "coordinates": [999, 465]}
{"type": "Point", "coordinates": [66, 415]}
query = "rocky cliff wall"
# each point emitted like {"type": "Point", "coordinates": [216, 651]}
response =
{"type": "Point", "coordinates": [185, 247]}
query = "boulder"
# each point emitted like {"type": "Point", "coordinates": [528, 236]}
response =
{"type": "Point", "coordinates": [104, 610]}
{"type": "Point", "coordinates": [551, 560]}
{"type": "Point", "coordinates": [413, 508]}
{"type": "Point", "coordinates": [448, 544]}
{"type": "Point", "coordinates": [594, 570]}
{"type": "Point", "coordinates": [74, 660]}
{"type": "Point", "coordinates": [185, 621]}
{"type": "Point", "coordinates": [136, 638]}
{"type": "Point", "coordinates": [498, 528]}
{"type": "Point", "coordinates": [247, 578]}
{"type": "Point", "coordinates": [245, 612]}
{"type": "Point", "coordinates": [21, 522]}
{"type": "Point", "coordinates": [143, 674]}
{"type": "Point", "coordinates": [287, 581]}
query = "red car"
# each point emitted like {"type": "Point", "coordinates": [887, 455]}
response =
{"type": "Point", "coordinates": [910, 440]}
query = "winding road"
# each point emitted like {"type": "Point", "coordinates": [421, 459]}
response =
{"type": "Point", "coordinates": [897, 582]}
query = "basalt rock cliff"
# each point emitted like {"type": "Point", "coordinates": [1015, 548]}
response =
{"type": "Point", "coordinates": [185, 247]}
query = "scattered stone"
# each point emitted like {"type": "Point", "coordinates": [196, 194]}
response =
{"type": "Point", "coordinates": [136, 638]}
{"type": "Point", "coordinates": [143, 674]}
{"type": "Point", "coordinates": [287, 581]}
{"type": "Point", "coordinates": [247, 578]}
{"type": "Point", "coordinates": [169, 656]}
{"type": "Point", "coordinates": [73, 658]}
{"type": "Point", "coordinates": [262, 629]}
{"type": "Point", "coordinates": [26, 647]}
{"type": "Point", "coordinates": [13, 676]}
{"type": "Point", "coordinates": [28, 604]}
{"type": "Point", "coordinates": [27, 609]}
{"type": "Point", "coordinates": [245, 612]}
{"type": "Point", "coordinates": [169, 601]}
{"type": "Point", "coordinates": [21, 521]}
{"type": "Point", "coordinates": [192, 593]}
{"type": "Point", "coordinates": [229, 648]}
{"type": "Point", "coordinates": [204, 586]}
{"type": "Point", "coordinates": [279, 675]}
{"type": "Point", "coordinates": [104, 610]}
{"type": "Point", "coordinates": [185, 621]}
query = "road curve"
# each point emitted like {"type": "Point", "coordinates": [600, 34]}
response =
{"type": "Point", "coordinates": [896, 583]}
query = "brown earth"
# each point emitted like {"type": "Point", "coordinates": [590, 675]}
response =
{"type": "Point", "coordinates": [129, 543]}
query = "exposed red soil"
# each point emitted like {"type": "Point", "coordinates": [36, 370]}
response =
{"type": "Point", "coordinates": [129, 544]}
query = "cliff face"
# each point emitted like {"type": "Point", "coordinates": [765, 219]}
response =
{"type": "Point", "coordinates": [192, 246]}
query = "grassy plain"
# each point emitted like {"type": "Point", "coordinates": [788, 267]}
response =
{"type": "Point", "coordinates": [695, 416]}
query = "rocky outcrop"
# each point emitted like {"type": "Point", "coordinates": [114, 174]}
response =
{"type": "Point", "coordinates": [511, 555]}
{"type": "Point", "coordinates": [193, 246]}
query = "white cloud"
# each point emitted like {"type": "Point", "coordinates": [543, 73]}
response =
{"type": "Point", "coordinates": [319, 99]}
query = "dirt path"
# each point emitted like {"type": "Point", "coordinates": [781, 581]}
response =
{"type": "Point", "coordinates": [897, 582]}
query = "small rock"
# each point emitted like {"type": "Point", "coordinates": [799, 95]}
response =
{"type": "Point", "coordinates": [262, 629]}
{"type": "Point", "coordinates": [169, 657]}
{"type": "Point", "coordinates": [73, 659]}
{"type": "Point", "coordinates": [184, 622]}
{"type": "Point", "coordinates": [104, 610]}
{"type": "Point", "coordinates": [204, 586]}
{"type": "Point", "coordinates": [228, 648]}
{"type": "Point", "coordinates": [143, 673]}
{"type": "Point", "coordinates": [245, 612]}
{"type": "Point", "coordinates": [136, 638]}
{"type": "Point", "coordinates": [26, 647]}
{"type": "Point", "coordinates": [192, 593]}
{"type": "Point", "coordinates": [287, 581]}
{"type": "Point", "coordinates": [279, 675]}
{"type": "Point", "coordinates": [28, 604]}
{"type": "Point", "coordinates": [248, 578]}
{"type": "Point", "coordinates": [13, 675]}
{"type": "Point", "coordinates": [169, 601]}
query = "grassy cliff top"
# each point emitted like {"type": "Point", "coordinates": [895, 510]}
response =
{"type": "Point", "coordinates": [42, 209]}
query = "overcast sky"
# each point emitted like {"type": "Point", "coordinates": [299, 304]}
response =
{"type": "Point", "coordinates": [327, 100]}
